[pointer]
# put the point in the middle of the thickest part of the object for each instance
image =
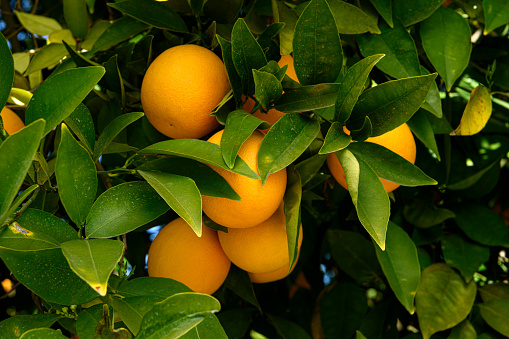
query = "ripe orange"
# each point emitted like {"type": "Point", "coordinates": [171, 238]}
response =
{"type": "Point", "coordinates": [198, 262]}
{"type": "Point", "coordinates": [262, 278]}
{"type": "Point", "coordinates": [271, 116]}
{"type": "Point", "coordinates": [257, 202]}
{"type": "Point", "coordinates": [290, 71]}
{"type": "Point", "coordinates": [181, 88]}
{"type": "Point", "coordinates": [12, 122]}
{"type": "Point", "coordinates": [400, 140]}
{"type": "Point", "coordinates": [259, 249]}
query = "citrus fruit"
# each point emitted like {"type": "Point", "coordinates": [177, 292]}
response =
{"type": "Point", "coordinates": [257, 202]}
{"type": "Point", "coordinates": [271, 116]}
{"type": "Point", "coordinates": [290, 71]}
{"type": "Point", "coordinates": [259, 249]}
{"type": "Point", "coordinates": [12, 122]}
{"type": "Point", "coordinates": [400, 140]}
{"type": "Point", "coordinates": [262, 278]}
{"type": "Point", "coordinates": [181, 88]}
{"type": "Point", "coordinates": [198, 262]}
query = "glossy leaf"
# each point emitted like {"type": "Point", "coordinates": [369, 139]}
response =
{"type": "Point", "coordinates": [239, 282]}
{"type": "Point", "coordinates": [239, 127]}
{"type": "Point", "coordinates": [308, 98]}
{"type": "Point", "coordinates": [76, 177]}
{"type": "Point", "coordinates": [401, 59]}
{"type": "Point", "coordinates": [355, 255]}
{"type": "Point", "coordinates": [180, 193]}
{"type": "Point", "coordinates": [446, 40]}
{"type": "Point", "coordinates": [267, 87]}
{"type": "Point", "coordinates": [368, 195]}
{"type": "Point", "coordinates": [37, 24]}
{"type": "Point", "coordinates": [199, 150]}
{"type": "Point", "coordinates": [121, 30]}
{"type": "Point", "coordinates": [433, 103]}
{"type": "Point", "coordinates": [288, 329]}
{"type": "Point", "coordinates": [403, 96]}
{"type": "Point", "coordinates": [210, 327]}
{"type": "Point", "coordinates": [496, 14]}
{"type": "Point", "coordinates": [443, 299]}
{"type": "Point", "coordinates": [47, 56]}
{"type": "Point", "coordinates": [112, 130]}
{"type": "Point", "coordinates": [7, 67]}
{"type": "Point", "coordinates": [336, 139]}
{"type": "Point", "coordinates": [124, 208]}
{"type": "Point", "coordinates": [14, 327]}
{"type": "Point", "coordinates": [411, 12]}
{"type": "Point", "coordinates": [181, 313]}
{"type": "Point", "coordinates": [422, 129]}
{"type": "Point", "coordinates": [286, 140]}
{"type": "Point", "coordinates": [22, 196]}
{"type": "Point", "coordinates": [152, 13]}
{"type": "Point", "coordinates": [292, 200]}
{"type": "Point", "coordinates": [233, 76]}
{"type": "Point", "coordinates": [464, 255]}
{"type": "Point", "coordinates": [496, 313]}
{"type": "Point", "coordinates": [351, 19]}
{"type": "Point", "coordinates": [400, 265]}
{"type": "Point", "coordinates": [477, 112]}
{"type": "Point", "coordinates": [317, 51]}
{"type": "Point", "coordinates": [16, 153]}
{"type": "Point", "coordinates": [208, 181]}
{"type": "Point", "coordinates": [352, 86]}
{"type": "Point", "coordinates": [309, 168]}
{"type": "Point", "coordinates": [151, 286]}
{"type": "Point", "coordinates": [42, 333]}
{"type": "Point", "coordinates": [389, 165]}
{"type": "Point", "coordinates": [76, 17]}
{"type": "Point", "coordinates": [465, 330]}
{"type": "Point", "coordinates": [288, 16]}
{"type": "Point", "coordinates": [384, 8]}
{"type": "Point", "coordinates": [59, 95]}
{"type": "Point", "coordinates": [81, 123]}
{"type": "Point", "coordinates": [132, 309]}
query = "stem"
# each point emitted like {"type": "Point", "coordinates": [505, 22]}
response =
{"type": "Point", "coordinates": [23, 208]}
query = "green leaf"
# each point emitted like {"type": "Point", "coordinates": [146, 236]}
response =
{"type": "Point", "coordinates": [289, 18]}
{"type": "Point", "coordinates": [14, 327]}
{"type": "Point", "coordinates": [288, 329]}
{"type": "Point", "coordinates": [180, 312]}
{"type": "Point", "coordinates": [239, 282]}
{"type": "Point", "coordinates": [384, 8]}
{"type": "Point", "coordinates": [40, 222]}
{"type": "Point", "coordinates": [465, 330]}
{"type": "Point", "coordinates": [199, 150]}
{"type": "Point", "coordinates": [494, 291]}
{"type": "Point", "coordinates": [421, 127]}
{"type": "Point", "coordinates": [443, 299]}
{"type": "Point", "coordinates": [239, 126]}
{"type": "Point", "coordinates": [464, 255]}
{"type": "Point", "coordinates": [152, 13]}
{"type": "Point", "coordinates": [124, 208]}
{"type": "Point", "coordinates": [47, 56]}
{"type": "Point", "coordinates": [380, 103]}
{"type": "Point", "coordinates": [7, 67]}
{"type": "Point", "coordinates": [112, 130]}
{"type": "Point", "coordinates": [59, 95]}
{"type": "Point", "coordinates": [355, 255]}
{"type": "Point", "coordinates": [389, 165]}
{"type": "Point", "coordinates": [493, 232]}
{"type": "Point", "coordinates": [247, 55]}
{"type": "Point", "coordinates": [401, 59]}
{"type": "Point", "coordinates": [446, 40]}
{"type": "Point", "coordinates": [17, 238]}
{"type": "Point", "coordinates": [233, 76]}
{"type": "Point", "coordinates": [336, 139]}
{"type": "Point", "coordinates": [37, 24]}
{"type": "Point", "coordinates": [76, 17]}
{"type": "Point", "coordinates": [292, 200]}
{"type": "Point", "coordinates": [433, 103]}
{"type": "Point", "coordinates": [287, 139]}
{"type": "Point", "coordinates": [151, 287]}
{"type": "Point", "coordinates": [236, 322]}
{"type": "Point", "coordinates": [496, 313]}
{"type": "Point", "coordinates": [400, 264]}
{"type": "Point", "coordinates": [132, 309]}
{"type": "Point", "coordinates": [309, 167]}
{"type": "Point", "coordinates": [16, 154]}
{"type": "Point", "coordinates": [95, 32]}
{"type": "Point", "coordinates": [351, 19]}
{"type": "Point", "coordinates": [21, 198]}
{"type": "Point", "coordinates": [119, 31]}
{"type": "Point", "coordinates": [424, 214]}
{"type": "Point", "coordinates": [352, 86]}
{"type": "Point", "coordinates": [180, 193]}
{"type": "Point", "coordinates": [308, 98]}
{"type": "Point", "coordinates": [268, 88]}
{"type": "Point", "coordinates": [477, 112]}
{"type": "Point", "coordinates": [92, 317]}
{"type": "Point", "coordinates": [411, 12]}
{"type": "Point", "coordinates": [210, 327]}
{"type": "Point", "coordinates": [43, 333]}
{"type": "Point", "coordinates": [209, 182]}
{"type": "Point", "coordinates": [317, 51]}
{"type": "Point", "coordinates": [368, 195]}
{"type": "Point", "coordinates": [76, 177]}
{"type": "Point", "coordinates": [81, 123]}
{"type": "Point", "coordinates": [496, 14]}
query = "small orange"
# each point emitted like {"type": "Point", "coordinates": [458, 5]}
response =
{"type": "Point", "coordinates": [12, 122]}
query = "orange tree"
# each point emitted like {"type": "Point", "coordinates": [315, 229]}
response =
{"type": "Point", "coordinates": [89, 180]}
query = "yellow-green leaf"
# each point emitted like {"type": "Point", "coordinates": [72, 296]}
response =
{"type": "Point", "coordinates": [477, 112]}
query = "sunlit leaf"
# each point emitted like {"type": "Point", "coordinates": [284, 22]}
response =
{"type": "Point", "coordinates": [477, 112]}
{"type": "Point", "coordinates": [496, 14]}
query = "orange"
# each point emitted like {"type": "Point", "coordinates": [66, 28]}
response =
{"type": "Point", "coordinates": [12, 122]}
{"type": "Point", "coordinates": [198, 262]}
{"type": "Point", "coordinates": [181, 88]}
{"type": "Point", "coordinates": [257, 202]}
{"type": "Point", "coordinates": [271, 116]}
{"type": "Point", "coordinates": [259, 249]}
{"type": "Point", "coordinates": [290, 71]}
{"type": "Point", "coordinates": [400, 140]}
{"type": "Point", "coordinates": [262, 278]}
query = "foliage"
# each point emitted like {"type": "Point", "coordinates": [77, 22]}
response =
{"type": "Point", "coordinates": [86, 181]}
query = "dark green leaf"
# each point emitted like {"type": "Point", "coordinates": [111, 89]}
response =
{"type": "Point", "coordinates": [180, 193]}
{"type": "Point", "coordinates": [59, 95]}
{"type": "Point", "coordinates": [433, 103]}
{"type": "Point", "coordinates": [119, 31]}
{"type": "Point", "coordinates": [287, 139]}
{"type": "Point", "coordinates": [88, 319]}
{"type": "Point", "coordinates": [443, 299]}
{"type": "Point", "coordinates": [113, 79]}
{"type": "Point", "coordinates": [309, 167]}
{"type": "Point", "coordinates": [411, 12]}
{"type": "Point", "coordinates": [40, 222]}
{"type": "Point", "coordinates": [43, 333]}
{"type": "Point", "coordinates": [446, 39]}
{"type": "Point", "coordinates": [496, 14]}
{"type": "Point", "coordinates": [494, 291]}
{"type": "Point", "coordinates": [233, 76]}
{"type": "Point", "coordinates": [421, 127]}
{"type": "Point", "coordinates": [124, 208]}
{"type": "Point", "coordinates": [384, 7]}
{"type": "Point", "coordinates": [239, 282]}
{"type": "Point", "coordinates": [317, 51]}
{"type": "Point", "coordinates": [400, 264]}
{"type": "Point", "coordinates": [76, 177]}
{"type": "Point", "coordinates": [152, 13]}
{"type": "Point", "coordinates": [151, 287]}
{"type": "Point", "coordinates": [464, 255]}
{"type": "Point", "coordinates": [392, 103]}
{"type": "Point", "coordinates": [496, 313]}
{"type": "Point", "coordinates": [292, 200]}
{"type": "Point", "coordinates": [236, 322]}
{"type": "Point", "coordinates": [80, 122]}
{"type": "Point", "coordinates": [239, 126]}
{"type": "Point", "coordinates": [308, 98]}
{"type": "Point", "coordinates": [425, 214]}
{"type": "Point", "coordinates": [335, 140]}
{"type": "Point", "coordinates": [214, 9]}
{"type": "Point", "coordinates": [16, 154]}
{"type": "Point", "coordinates": [7, 67]}
{"type": "Point", "coordinates": [351, 19]}
{"type": "Point", "coordinates": [288, 329]}
{"type": "Point", "coordinates": [76, 17]}
{"type": "Point", "coordinates": [210, 327]}
{"type": "Point", "coordinates": [465, 330]}
{"type": "Point", "coordinates": [267, 87]}
{"type": "Point", "coordinates": [199, 150]}
{"type": "Point", "coordinates": [132, 309]}
{"type": "Point", "coordinates": [14, 327]}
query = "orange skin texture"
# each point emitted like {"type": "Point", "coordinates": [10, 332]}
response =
{"type": "Point", "coordinates": [259, 249]}
{"type": "Point", "coordinates": [257, 202]}
{"type": "Point", "coordinates": [181, 88]}
{"type": "Point", "coordinates": [12, 122]}
{"type": "Point", "coordinates": [272, 115]}
{"type": "Point", "coordinates": [400, 140]}
{"type": "Point", "coordinates": [290, 71]}
{"type": "Point", "coordinates": [198, 262]}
